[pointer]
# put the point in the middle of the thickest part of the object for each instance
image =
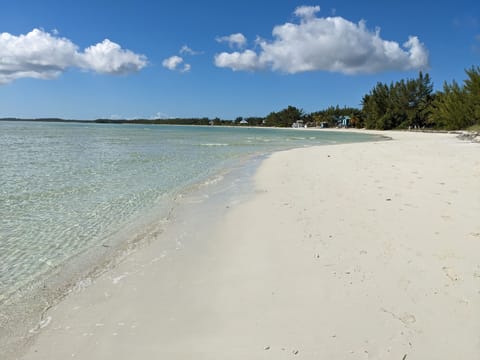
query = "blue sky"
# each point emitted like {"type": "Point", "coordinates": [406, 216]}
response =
{"type": "Point", "coordinates": [128, 59]}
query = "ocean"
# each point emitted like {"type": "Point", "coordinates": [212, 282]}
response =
{"type": "Point", "coordinates": [71, 192]}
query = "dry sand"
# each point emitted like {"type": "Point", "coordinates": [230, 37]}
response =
{"type": "Point", "coordinates": [357, 251]}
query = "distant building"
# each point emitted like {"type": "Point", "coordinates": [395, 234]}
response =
{"type": "Point", "coordinates": [243, 122]}
{"type": "Point", "coordinates": [298, 124]}
{"type": "Point", "coordinates": [343, 121]}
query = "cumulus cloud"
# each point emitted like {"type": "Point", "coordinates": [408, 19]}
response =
{"type": "Point", "coordinates": [43, 55]}
{"type": "Point", "coordinates": [327, 44]}
{"type": "Point", "coordinates": [247, 60]}
{"type": "Point", "coordinates": [36, 55]}
{"type": "Point", "coordinates": [237, 40]}
{"type": "Point", "coordinates": [173, 63]}
{"type": "Point", "coordinates": [108, 57]}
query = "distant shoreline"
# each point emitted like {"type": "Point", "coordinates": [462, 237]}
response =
{"type": "Point", "coordinates": [225, 123]}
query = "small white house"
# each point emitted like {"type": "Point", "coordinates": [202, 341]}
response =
{"type": "Point", "coordinates": [298, 124]}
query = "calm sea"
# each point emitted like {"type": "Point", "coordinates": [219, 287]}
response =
{"type": "Point", "coordinates": [67, 188]}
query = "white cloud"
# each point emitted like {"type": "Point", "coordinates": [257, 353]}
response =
{"type": "Point", "coordinates": [42, 55]}
{"type": "Point", "coordinates": [188, 51]}
{"type": "Point", "coordinates": [247, 60]}
{"type": "Point", "coordinates": [37, 55]}
{"type": "Point", "coordinates": [306, 12]}
{"type": "Point", "coordinates": [234, 40]}
{"type": "Point", "coordinates": [108, 57]}
{"type": "Point", "coordinates": [417, 53]}
{"type": "Point", "coordinates": [186, 68]}
{"type": "Point", "coordinates": [173, 63]}
{"type": "Point", "coordinates": [327, 44]}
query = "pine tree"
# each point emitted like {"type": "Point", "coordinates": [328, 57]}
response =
{"type": "Point", "coordinates": [472, 90]}
{"type": "Point", "coordinates": [399, 105]}
{"type": "Point", "coordinates": [450, 108]}
{"type": "Point", "coordinates": [458, 107]}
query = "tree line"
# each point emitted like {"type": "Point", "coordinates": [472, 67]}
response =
{"type": "Point", "coordinates": [404, 104]}
{"type": "Point", "coordinates": [413, 104]}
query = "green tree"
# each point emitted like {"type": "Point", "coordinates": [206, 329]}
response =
{"type": "Point", "coordinates": [332, 114]}
{"type": "Point", "coordinates": [399, 105]}
{"type": "Point", "coordinates": [375, 105]}
{"type": "Point", "coordinates": [450, 108]}
{"type": "Point", "coordinates": [420, 99]}
{"type": "Point", "coordinates": [285, 117]}
{"type": "Point", "coordinates": [458, 107]}
{"type": "Point", "coordinates": [472, 90]}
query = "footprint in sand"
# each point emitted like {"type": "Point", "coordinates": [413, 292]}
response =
{"type": "Point", "coordinates": [407, 318]}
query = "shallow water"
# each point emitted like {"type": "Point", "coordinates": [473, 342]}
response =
{"type": "Point", "coordinates": [69, 188]}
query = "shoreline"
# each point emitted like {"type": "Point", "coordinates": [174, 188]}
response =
{"type": "Point", "coordinates": [339, 252]}
{"type": "Point", "coordinates": [21, 311]}
{"type": "Point", "coordinates": [80, 273]}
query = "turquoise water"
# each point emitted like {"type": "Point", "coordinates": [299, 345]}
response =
{"type": "Point", "coordinates": [66, 188]}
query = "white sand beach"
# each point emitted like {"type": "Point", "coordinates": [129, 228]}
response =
{"type": "Point", "coordinates": [356, 251]}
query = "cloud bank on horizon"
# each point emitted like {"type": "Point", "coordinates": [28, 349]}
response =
{"type": "Point", "coordinates": [43, 55]}
{"type": "Point", "coordinates": [325, 44]}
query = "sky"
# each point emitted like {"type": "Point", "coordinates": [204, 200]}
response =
{"type": "Point", "coordinates": [129, 59]}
